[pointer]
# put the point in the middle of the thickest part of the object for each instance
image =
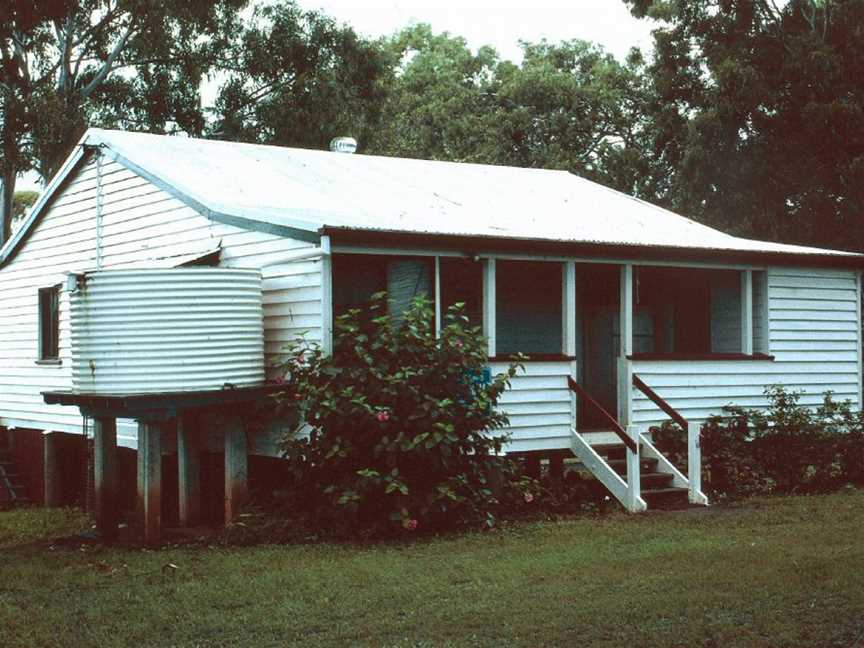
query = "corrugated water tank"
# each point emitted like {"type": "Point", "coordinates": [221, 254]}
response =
{"type": "Point", "coordinates": [150, 331]}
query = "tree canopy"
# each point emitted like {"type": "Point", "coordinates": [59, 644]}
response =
{"type": "Point", "coordinates": [297, 78]}
{"type": "Point", "coordinates": [21, 204]}
{"type": "Point", "coordinates": [568, 106]}
{"type": "Point", "coordinates": [760, 114]}
{"type": "Point", "coordinates": [280, 75]}
{"type": "Point", "coordinates": [65, 64]}
{"type": "Point", "coordinates": [748, 115]}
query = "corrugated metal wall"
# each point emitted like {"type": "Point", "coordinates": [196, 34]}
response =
{"type": "Point", "coordinates": [181, 329]}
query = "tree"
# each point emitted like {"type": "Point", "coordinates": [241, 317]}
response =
{"type": "Point", "coordinates": [21, 204]}
{"type": "Point", "coordinates": [131, 63]}
{"type": "Point", "coordinates": [573, 106]}
{"type": "Point", "coordinates": [297, 78]}
{"type": "Point", "coordinates": [761, 114]}
{"type": "Point", "coordinates": [441, 98]}
{"type": "Point", "coordinates": [567, 106]}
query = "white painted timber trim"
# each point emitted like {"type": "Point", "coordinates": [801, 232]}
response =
{"type": "Point", "coordinates": [860, 330]}
{"type": "Point", "coordinates": [747, 312]}
{"type": "Point", "coordinates": [568, 310]}
{"type": "Point", "coordinates": [634, 479]}
{"type": "Point", "coordinates": [437, 297]}
{"type": "Point", "coordinates": [766, 313]}
{"type": "Point", "coordinates": [625, 347]}
{"type": "Point", "coordinates": [508, 256]}
{"type": "Point", "coordinates": [489, 301]}
{"type": "Point", "coordinates": [326, 296]}
{"type": "Point", "coordinates": [100, 199]}
{"type": "Point", "coordinates": [663, 464]}
{"type": "Point", "coordinates": [694, 464]}
{"type": "Point", "coordinates": [626, 316]}
{"type": "Point", "coordinates": [292, 257]}
{"type": "Point", "coordinates": [604, 473]}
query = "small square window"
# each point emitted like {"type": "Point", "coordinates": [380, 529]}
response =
{"type": "Point", "coordinates": [49, 323]}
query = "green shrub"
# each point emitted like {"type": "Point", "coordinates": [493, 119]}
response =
{"type": "Point", "coordinates": [397, 430]}
{"type": "Point", "coordinates": [784, 448]}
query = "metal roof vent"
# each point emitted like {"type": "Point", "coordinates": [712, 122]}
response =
{"type": "Point", "coordinates": [343, 145]}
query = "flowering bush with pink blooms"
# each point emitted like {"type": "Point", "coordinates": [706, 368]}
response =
{"type": "Point", "coordinates": [395, 431]}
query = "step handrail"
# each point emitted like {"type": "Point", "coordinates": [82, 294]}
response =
{"type": "Point", "coordinates": [670, 411]}
{"type": "Point", "coordinates": [577, 389]}
{"type": "Point", "coordinates": [694, 449]}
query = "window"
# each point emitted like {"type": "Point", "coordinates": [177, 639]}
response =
{"type": "Point", "coordinates": [356, 277]}
{"type": "Point", "coordinates": [49, 323]}
{"type": "Point", "coordinates": [528, 314]}
{"type": "Point", "coordinates": [462, 283]}
{"type": "Point", "coordinates": [689, 311]}
{"type": "Point", "coordinates": [760, 312]}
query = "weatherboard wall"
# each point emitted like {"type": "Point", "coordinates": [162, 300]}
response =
{"type": "Point", "coordinates": [142, 227]}
{"type": "Point", "coordinates": [812, 315]}
{"type": "Point", "coordinates": [813, 336]}
{"type": "Point", "coordinates": [538, 406]}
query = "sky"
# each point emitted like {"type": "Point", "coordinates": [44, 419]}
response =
{"type": "Point", "coordinates": [501, 24]}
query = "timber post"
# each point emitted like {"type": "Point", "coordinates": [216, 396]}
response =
{"type": "Point", "coordinates": [694, 464]}
{"type": "Point", "coordinates": [556, 466]}
{"type": "Point", "coordinates": [150, 480]}
{"type": "Point", "coordinates": [188, 471]}
{"type": "Point", "coordinates": [105, 477]}
{"type": "Point", "coordinates": [51, 470]}
{"type": "Point", "coordinates": [634, 480]}
{"type": "Point", "coordinates": [236, 467]}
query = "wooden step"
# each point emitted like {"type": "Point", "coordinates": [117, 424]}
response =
{"type": "Point", "coordinates": [620, 465]}
{"type": "Point", "coordinates": [655, 480]}
{"type": "Point", "coordinates": [664, 498]}
{"type": "Point", "coordinates": [611, 451]}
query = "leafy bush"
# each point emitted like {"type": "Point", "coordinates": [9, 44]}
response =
{"type": "Point", "coordinates": [397, 428]}
{"type": "Point", "coordinates": [784, 448]}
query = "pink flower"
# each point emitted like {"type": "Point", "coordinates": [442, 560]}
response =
{"type": "Point", "coordinates": [529, 497]}
{"type": "Point", "coordinates": [383, 416]}
{"type": "Point", "coordinates": [411, 525]}
{"type": "Point", "coordinates": [458, 344]}
{"type": "Point", "coordinates": [279, 380]}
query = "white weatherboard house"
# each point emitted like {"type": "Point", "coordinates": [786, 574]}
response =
{"type": "Point", "coordinates": [630, 314]}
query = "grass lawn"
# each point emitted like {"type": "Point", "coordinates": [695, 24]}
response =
{"type": "Point", "coordinates": [780, 572]}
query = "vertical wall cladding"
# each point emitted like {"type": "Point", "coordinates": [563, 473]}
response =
{"type": "Point", "coordinates": [813, 334]}
{"type": "Point", "coordinates": [142, 227]}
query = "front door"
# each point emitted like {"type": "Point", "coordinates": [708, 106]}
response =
{"type": "Point", "coordinates": [599, 360]}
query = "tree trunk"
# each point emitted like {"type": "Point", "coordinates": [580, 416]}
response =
{"type": "Point", "coordinates": [7, 195]}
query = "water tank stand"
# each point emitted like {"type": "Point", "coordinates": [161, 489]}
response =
{"type": "Point", "coordinates": [154, 413]}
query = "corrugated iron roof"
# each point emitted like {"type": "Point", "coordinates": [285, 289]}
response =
{"type": "Point", "coordinates": [307, 190]}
